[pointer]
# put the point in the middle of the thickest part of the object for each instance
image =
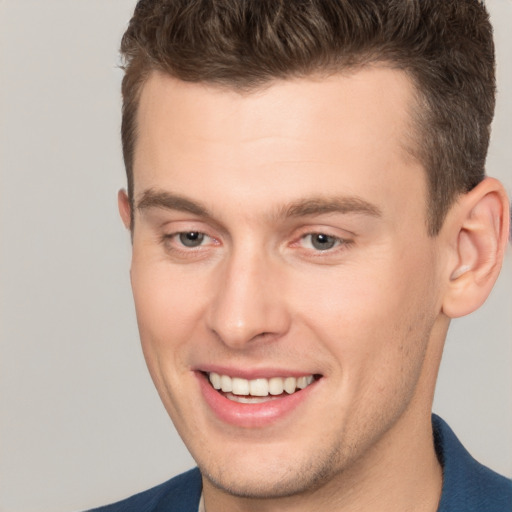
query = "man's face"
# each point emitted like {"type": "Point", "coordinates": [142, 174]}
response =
{"type": "Point", "coordinates": [280, 241]}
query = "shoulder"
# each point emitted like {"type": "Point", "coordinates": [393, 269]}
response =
{"type": "Point", "coordinates": [467, 484]}
{"type": "Point", "coordinates": [181, 493]}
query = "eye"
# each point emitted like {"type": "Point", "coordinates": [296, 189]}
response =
{"type": "Point", "coordinates": [191, 238]}
{"type": "Point", "coordinates": [320, 241]}
{"type": "Point", "coordinates": [188, 245]}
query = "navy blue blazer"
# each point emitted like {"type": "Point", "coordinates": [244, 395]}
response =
{"type": "Point", "coordinates": [468, 486]}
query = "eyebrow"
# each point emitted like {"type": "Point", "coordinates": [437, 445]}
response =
{"type": "Point", "coordinates": [325, 205]}
{"type": "Point", "coordinates": [299, 208]}
{"type": "Point", "coordinates": [160, 199]}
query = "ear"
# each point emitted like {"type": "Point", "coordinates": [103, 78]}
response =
{"type": "Point", "coordinates": [125, 209]}
{"type": "Point", "coordinates": [477, 228]}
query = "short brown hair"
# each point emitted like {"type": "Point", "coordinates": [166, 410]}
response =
{"type": "Point", "coordinates": [445, 46]}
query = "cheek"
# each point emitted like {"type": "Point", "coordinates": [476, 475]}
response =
{"type": "Point", "coordinates": [168, 308]}
{"type": "Point", "coordinates": [373, 316]}
{"type": "Point", "coordinates": [165, 298]}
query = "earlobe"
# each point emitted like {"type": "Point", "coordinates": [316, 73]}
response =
{"type": "Point", "coordinates": [123, 203]}
{"type": "Point", "coordinates": [480, 224]}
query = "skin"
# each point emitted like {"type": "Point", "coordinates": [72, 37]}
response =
{"type": "Point", "coordinates": [366, 315]}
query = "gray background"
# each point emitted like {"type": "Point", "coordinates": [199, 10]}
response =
{"type": "Point", "coordinates": [80, 422]}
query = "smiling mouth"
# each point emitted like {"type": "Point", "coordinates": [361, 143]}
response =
{"type": "Point", "coordinates": [259, 390]}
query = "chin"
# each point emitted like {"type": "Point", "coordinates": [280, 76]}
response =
{"type": "Point", "coordinates": [260, 488]}
{"type": "Point", "coordinates": [272, 479]}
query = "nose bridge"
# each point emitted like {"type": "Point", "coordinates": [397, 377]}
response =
{"type": "Point", "coordinates": [247, 303]}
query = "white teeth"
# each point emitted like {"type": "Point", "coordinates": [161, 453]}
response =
{"type": "Point", "coordinates": [290, 385]}
{"type": "Point", "coordinates": [249, 399]}
{"type": "Point", "coordinates": [215, 380]}
{"type": "Point", "coordinates": [304, 382]}
{"type": "Point", "coordinates": [276, 385]}
{"type": "Point", "coordinates": [258, 387]}
{"type": "Point", "coordinates": [226, 384]}
{"type": "Point", "coordinates": [240, 386]}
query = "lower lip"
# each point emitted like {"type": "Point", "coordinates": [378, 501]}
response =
{"type": "Point", "coordinates": [251, 415]}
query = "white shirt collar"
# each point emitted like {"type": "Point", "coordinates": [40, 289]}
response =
{"type": "Point", "coordinates": [201, 504]}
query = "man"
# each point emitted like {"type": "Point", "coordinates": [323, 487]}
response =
{"type": "Point", "coordinates": [308, 209]}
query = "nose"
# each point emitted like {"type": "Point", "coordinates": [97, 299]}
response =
{"type": "Point", "coordinates": [249, 303]}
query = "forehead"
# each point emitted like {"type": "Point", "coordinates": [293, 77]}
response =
{"type": "Point", "coordinates": [378, 94]}
{"type": "Point", "coordinates": [346, 130]}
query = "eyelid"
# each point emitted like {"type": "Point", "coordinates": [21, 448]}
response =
{"type": "Point", "coordinates": [171, 221]}
{"type": "Point", "coordinates": [169, 227]}
{"type": "Point", "coordinates": [331, 231]}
